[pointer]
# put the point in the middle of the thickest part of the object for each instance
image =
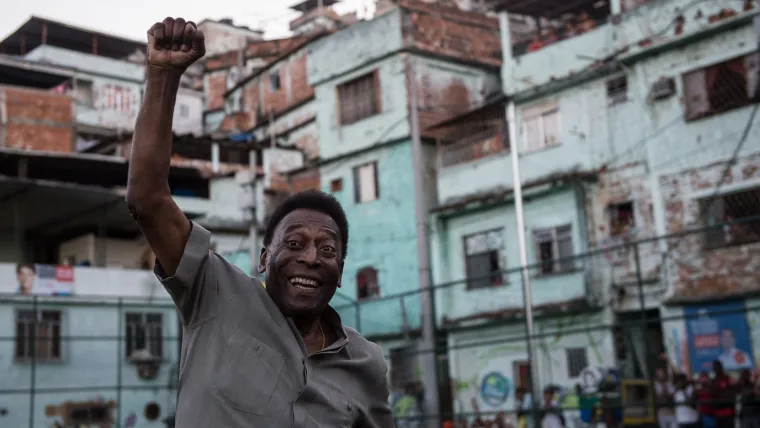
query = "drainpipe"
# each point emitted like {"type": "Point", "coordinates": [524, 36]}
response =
{"type": "Point", "coordinates": [511, 116]}
{"type": "Point", "coordinates": [430, 359]}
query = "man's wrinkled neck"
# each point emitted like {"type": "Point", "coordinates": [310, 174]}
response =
{"type": "Point", "coordinates": [307, 325]}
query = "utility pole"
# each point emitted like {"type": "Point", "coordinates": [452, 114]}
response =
{"type": "Point", "coordinates": [523, 247]}
{"type": "Point", "coordinates": [430, 359]}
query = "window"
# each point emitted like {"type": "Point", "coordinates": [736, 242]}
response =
{"type": "Point", "coordinates": [274, 80]}
{"type": "Point", "coordinates": [541, 127]}
{"type": "Point", "coordinates": [483, 259]}
{"type": "Point", "coordinates": [184, 111]}
{"type": "Point", "coordinates": [91, 413]}
{"type": "Point", "coordinates": [365, 183]}
{"type": "Point", "coordinates": [621, 218]}
{"type": "Point", "coordinates": [359, 99]}
{"type": "Point", "coordinates": [522, 375]}
{"type": "Point", "coordinates": [83, 93]}
{"type": "Point", "coordinates": [367, 285]}
{"type": "Point", "coordinates": [38, 335]}
{"type": "Point", "coordinates": [554, 249]}
{"type": "Point", "coordinates": [402, 372]}
{"type": "Point", "coordinates": [726, 209]}
{"type": "Point", "coordinates": [144, 331]}
{"type": "Point", "coordinates": [577, 360]}
{"type": "Point", "coordinates": [617, 90]}
{"type": "Point", "coordinates": [721, 87]}
{"type": "Point", "coordinates": [336, 185]}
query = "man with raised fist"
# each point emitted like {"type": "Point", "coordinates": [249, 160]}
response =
{"type": "Point", "coordinates": [252, 356]}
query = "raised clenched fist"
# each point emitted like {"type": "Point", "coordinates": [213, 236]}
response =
{"type": "Point", "coordinates": [175, 44]}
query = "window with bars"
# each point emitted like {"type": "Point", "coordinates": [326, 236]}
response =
{"type": "Point", "coordinates": [721, 87]}
{"type": "Point", "coordinates": [38, 335]}
{"type": "Point", "coordinates": [724, 215]}
{"type": "Point", "coordinates": [367, 285]}
{"type": "Point", "coordinates": [359, 98]}
{"type": "Point", "coordinates": [365, 183]}
{"type": "Point", "coordinates": [91, 413]}
{"type": "Point", "coordinates": [274, 80]}
{"type": "Point", "coordinates": [483, 259]}
{"type": "Point", "coordinates": [144, 331]}
{"type": "Point", "coordinates": [617, 90]}
{"type": "Point", "coordinates": [554, 249]}
{"type": "Point", "coordinates": [541, 127]}
{"type": "Point", "coordinates": [577, 360]}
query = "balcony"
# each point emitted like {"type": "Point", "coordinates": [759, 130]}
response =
{"type": "Point", "coordinates": [574, 39]}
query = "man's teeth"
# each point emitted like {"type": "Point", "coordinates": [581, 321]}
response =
{"type": "Point", "coordinates": [304, 282]}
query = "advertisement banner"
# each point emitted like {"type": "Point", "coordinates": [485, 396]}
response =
{"type": "Point", "coordinates": [45, 280]}
{"type": "Point", "coordinates": [718, 332]}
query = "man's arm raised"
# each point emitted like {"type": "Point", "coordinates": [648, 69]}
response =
{"type": "Point", "coordinates": [173, 45]}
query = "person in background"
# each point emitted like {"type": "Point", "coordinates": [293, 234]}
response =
{"type": "Point", "coordinates": [551, 413]}
{"type": "Point", "coordinates": [704, 398]}
{"type": "Point", "coordinates": [663, 390]}
{"type": "Point", "coordinates": [523, 406]}
{"type": "Point", "coordinates": [723, 392]}
{"type": "Point", "coordinates": [536, 44]}
{"type": "Point", "coordinates": [687, 415]}
{"type": "Point", "coordinates": [749, 393]}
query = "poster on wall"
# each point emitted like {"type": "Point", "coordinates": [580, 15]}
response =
{"type": "Point", "coordinates": [44, 280]}
{"type": "Point", "coordinates": [718, 332]}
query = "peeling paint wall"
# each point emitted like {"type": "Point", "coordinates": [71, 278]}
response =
{"type": "Point", "coordinates": [641, 28]}
{"type": "Point", "coordinates": [445, 89]}
{"type": "Point", "coordinates": [697, 272]}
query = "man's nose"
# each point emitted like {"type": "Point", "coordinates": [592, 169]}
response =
{"type": "Point", "coordinates": [309, 255]}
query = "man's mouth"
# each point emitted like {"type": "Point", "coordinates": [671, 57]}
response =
{"type": "Point", "coordinates": [304, 283]}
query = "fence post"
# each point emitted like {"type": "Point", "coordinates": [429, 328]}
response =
{"type": "Point", "coordinates": [33, 369]}
{"type": "Point", "coordinates": [119, 350]}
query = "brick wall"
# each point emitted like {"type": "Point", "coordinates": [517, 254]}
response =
{"type": "Point", "coordinates": [260, 100]}
{"type": "Point", "coordinates": [698, 272]}
{"type": "Point", "coordinates": [447, 30]}
{"type": "Point", "coordinates": [36, 120]}
{"type": "Point", "coordinates": [304, 180]}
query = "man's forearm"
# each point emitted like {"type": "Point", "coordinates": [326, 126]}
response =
{"type": "Point", "coordinates": [148, 181]}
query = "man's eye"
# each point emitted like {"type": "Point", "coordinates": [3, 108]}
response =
{"type": "Point", "coordinates": [293, 244]}
{"type": "Point", "coordinates": [328, 249]}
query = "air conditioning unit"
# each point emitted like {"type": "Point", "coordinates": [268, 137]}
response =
{"type": "Point", "coordinates": [662, 89]}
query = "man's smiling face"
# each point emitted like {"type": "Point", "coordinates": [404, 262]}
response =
{"type": "Point", "coordinates": [303, 263]}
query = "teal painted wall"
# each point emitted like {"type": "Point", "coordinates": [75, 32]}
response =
{"type": "Point", "coordinates": [448, 253]}
{"type": "Point", "coordinates": [382, 235]}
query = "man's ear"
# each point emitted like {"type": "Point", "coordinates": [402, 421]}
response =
{"type": "Point", "coordinates": [263, 260]}
{"type": "Point", "coordinates": [340, 278]}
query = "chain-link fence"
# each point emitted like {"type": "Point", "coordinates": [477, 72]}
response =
{"type": "Point", "coordinates": [88, 361]}
{"type": "Point", "coordinates": [606, 321]}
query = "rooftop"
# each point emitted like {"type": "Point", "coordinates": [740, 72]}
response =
{"type": "Point", "coordinates": [37, 31]}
